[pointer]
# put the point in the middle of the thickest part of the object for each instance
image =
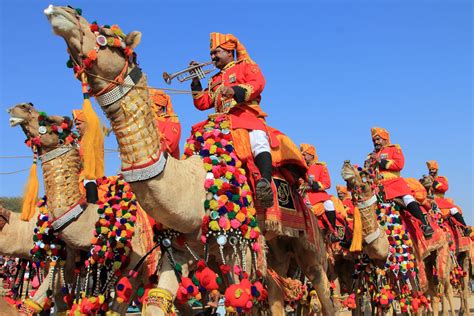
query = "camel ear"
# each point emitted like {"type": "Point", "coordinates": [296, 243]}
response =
{"type": "Point", "coordinates": [57, 119]}
{"type": "Point", "coordinates": [133, 39]}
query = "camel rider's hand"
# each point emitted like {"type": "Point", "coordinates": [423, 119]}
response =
{"type": "Point", "coordinates": [196, 83]}
{"type": "Point", "coordinates": [374, 157]}
{"type": "Point", "coordinates": [227, 92]}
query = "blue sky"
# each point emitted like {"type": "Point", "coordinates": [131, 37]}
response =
{"type": "Point", "coordinates": [333, 69]}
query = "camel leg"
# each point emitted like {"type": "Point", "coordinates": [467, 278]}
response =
{"type": "Point", "coordinates": [279, 261]}
{"type": "Point", "coordinates": [315, 272]}
{"type": "Point", "coordinates": [435, 304]}
{"type": "Point", "coordinates": [449, 297]}
{"type": "Point", "coordinates": [168, 282]}
{"type": "Point", "coordinates": [465, 285]}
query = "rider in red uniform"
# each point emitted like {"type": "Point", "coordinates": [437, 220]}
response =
{"type": "Point", "coordinates": [389, 161]}
{"type": "Point", "coordinates": [236, 90]}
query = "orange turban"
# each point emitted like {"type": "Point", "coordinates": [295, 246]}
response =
{"type": "Point", "coordinates": [78, 115]}
{"type": "Point", "coordinates": [161, 99]}
{"type": "Point", "coordinates": [309, 149]}
{"type": "Point", "coordinates": [229, 42]}
{"type": "Point", "coordinates": [432, 164]}
{"type": "Point", "coordinates": [381, 132]}
{"type": "Point", "coordinates": [342, 189]}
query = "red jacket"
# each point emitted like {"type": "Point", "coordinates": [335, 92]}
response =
{"type": "Point", "coordinates": [440, 186]}
{"type": "Point", "coordinates": [248, 82]}
{"type": "Point", "coordinates": [392, 162]}
{"type": "Point", "coordinates": [349, 207]}
{"type": "Point", "coordinates": [321, 182]}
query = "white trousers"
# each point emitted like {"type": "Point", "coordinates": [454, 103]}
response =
{"type": "Point", "coordinates": [259, 142]}
{"type": "Point", "coordinates": [407, 199]}
{"type": "Point", "coordinates": [329, 206]}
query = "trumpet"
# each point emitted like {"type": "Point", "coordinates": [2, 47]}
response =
{"type": "Point", "coordinates": [194, 71]}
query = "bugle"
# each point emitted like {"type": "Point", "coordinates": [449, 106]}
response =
{"type": "Point", "coordinates": [193, 71]}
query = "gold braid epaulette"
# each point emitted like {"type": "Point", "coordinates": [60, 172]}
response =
{"type": "Point", "coordinates": [161, 298]}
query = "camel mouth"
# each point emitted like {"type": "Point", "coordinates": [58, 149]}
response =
{"type": "Point", "coordinates": [15, 121]}
{"type": "Point", "coordinates": [60, 20]}
{"type": "Point", "coordinates": [347, 175]}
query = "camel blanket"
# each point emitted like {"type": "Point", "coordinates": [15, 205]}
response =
{"type": "Point", "coordinates": [289, 216]}
{"type": "Point", "coordinates": [423, 247]}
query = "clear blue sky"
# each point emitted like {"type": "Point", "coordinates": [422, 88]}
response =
{"type": "Point", "coordinates": [333, 70]}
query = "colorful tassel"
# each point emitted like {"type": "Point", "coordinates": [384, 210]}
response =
{"type": "Point", "coordinates": [356, 244]}
{"type": "Point", "coordinates": [31, 194]}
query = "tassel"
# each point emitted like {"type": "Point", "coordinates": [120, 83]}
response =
{"type": "Point", "coordinates": [31, 193]}
{"type": "Point", "coordinates": [356, 244]}
{"type": "Point", "coordinates": [92, 142]}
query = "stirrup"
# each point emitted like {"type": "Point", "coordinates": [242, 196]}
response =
{"type": "Point", "coordinates": [264, 193]}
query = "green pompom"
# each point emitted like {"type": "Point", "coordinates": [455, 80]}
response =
{"type": "Point", "coordinates": [140, 292]}
{"type": "Point", "coordinates": [78, 11]}
{"type": "Point", "coordinates": [178, 267]}
{"type": "Point", "coordinates": [69, 63]}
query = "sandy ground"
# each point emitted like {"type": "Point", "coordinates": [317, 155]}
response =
{"type": "Point", "coordinates": [8, 310]}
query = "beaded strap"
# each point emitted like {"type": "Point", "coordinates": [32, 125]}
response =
{"type": "Point", "coordinates": [162, 299]}
{"type": "Point", "coordinates": [30, 307]}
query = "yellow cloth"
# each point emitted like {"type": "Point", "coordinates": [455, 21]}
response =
{"type": "Point", "coordinates": [229, 42]}
{"type": "Point", "coordinates": [432, 164]}
{"type": "Point", "coordinates": [381, 132]}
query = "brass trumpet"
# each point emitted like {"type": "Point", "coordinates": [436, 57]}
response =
{"type": "Point", "coordinates": [194, 71]}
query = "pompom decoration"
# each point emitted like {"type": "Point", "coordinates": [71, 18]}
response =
{"type": "Point", "coordinates": [111, 244]}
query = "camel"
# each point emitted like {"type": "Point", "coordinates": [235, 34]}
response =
{"type": "Point", "coordinates": [63, 193]}
{"type": "Point", "coordinates": [376, 242]}
{"type": "Point", "coordinates": [16, 240]}
{"type": "Point", "coordinates": [169, 190]}
{"type": "Point", "coordinates": [451, 258]}
{"type": "Point", "coordinates": [16, 236]}
{"type": "Point", "coordinates": [438, 257]}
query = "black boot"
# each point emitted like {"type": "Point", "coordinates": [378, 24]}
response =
{"type": "Point", "coordinates": [92, 195]}
{"type": "Point", "coordinates": [263, 190]}
{"type": "Point", "coordinates": [415, 210]}
{"type": "Point", "coordinates": [460, 219]}
{"type": "Point", "coordinates": [331, 216]}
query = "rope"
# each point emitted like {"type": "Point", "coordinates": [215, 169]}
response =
{"type": "Point", "coordinates": [12, 172]}
{"type": "Point", "coordinates": [170, 90]}
{"type": "Point", "coordinates": [14, 157]}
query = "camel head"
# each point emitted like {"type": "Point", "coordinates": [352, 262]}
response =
{"type": "Point", "coordinates": [97, 50]}
{"type": "Point", "coordinates": [43, 133]}
{"type": "Point", "coordinates": [427, 182]}
{"type": "Point", "coordinates": [4, 217]}
{"type": "Point", "coordinates": [358, 180]}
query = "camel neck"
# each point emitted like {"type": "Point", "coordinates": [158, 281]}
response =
{"type": "Point", "coordinates": [135, 127]}
{"type": "Point", "coordinates": [61, 181]}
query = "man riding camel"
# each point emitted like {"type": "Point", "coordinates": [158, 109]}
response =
{"type": "Point", "coordinates": [387, 161]}
{"type": "Point", "coordinates": [345, 196]}
{"type": "Point", "coordinates": [439, 188]}
{"type": "Point", "coordinates": [318, 181]}
{"type": "Point", "coordinates": [167, 121]}
{"type": "Point", "coordinates": [236, 90]}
